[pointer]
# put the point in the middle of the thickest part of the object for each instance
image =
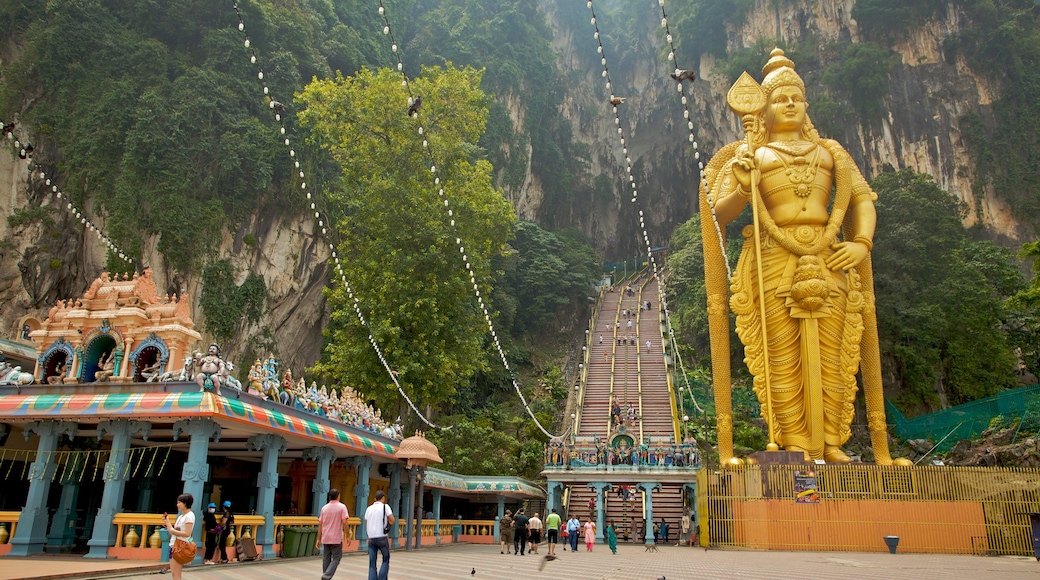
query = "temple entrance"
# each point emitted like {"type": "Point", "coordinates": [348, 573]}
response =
{"type": "Point", "coordinates": [103, 345]}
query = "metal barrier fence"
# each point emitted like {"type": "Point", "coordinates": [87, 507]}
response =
{"type": "Point", "coordinates": [933, 509]}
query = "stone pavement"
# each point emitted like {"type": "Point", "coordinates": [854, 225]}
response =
{"type": "Point", "coordinates": [454, 562]}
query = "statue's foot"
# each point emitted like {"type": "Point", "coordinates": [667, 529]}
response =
{"type": "Point", "coordinates": [834, 454]}
{"type": "Point", "coordinates": [795, 449]}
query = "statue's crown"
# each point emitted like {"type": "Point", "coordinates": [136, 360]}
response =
{"type": "Point", "coordinates": [779, 72]}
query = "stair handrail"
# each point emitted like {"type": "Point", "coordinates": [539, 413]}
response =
{"type": "Point", "coordinates": [583, 373]}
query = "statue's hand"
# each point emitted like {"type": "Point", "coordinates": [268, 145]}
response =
{"type": "Point", "coordinates": [847, 255]}
{"type": "Point", "coordinates": [741, 168]}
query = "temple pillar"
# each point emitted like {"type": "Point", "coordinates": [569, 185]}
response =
{"type": "Point", "coordinates": [195, 472]}
{"type": "Point", "coordinates": [409, 507]}
{"type": "Point", "coordinates": [395, 502]}
{"type": "Point", "coordinates": [63, 528]}
{"type": "Point", "coordinates": [124, 360]}
{"type": "Point", "coordinates": [75, 367]}
{"type": "Point", "coordinates": [501, 514]}
{"type": "Point", "coordinates": [601, 508]}
{"type": "Point", "coordinates": [104, 531]}
{"type": "Point", "coordinates": [419, 510]}
{"type": "Point", "coordinates": [146, 489]}
{"type": "Point", "coordinates": [323, 457]}
{"type": "Point", "coordinates": [550, 496]}
{"type": "Point", "coordinates": [363, 464]}
{"type": "Point", "coordinates": [690, 505]}
{"type": "Point", "coordinates": [648, 532]}
{"type": "Point", "coordinates": [266, 483]}
{"type": "Point", "coordinates": [31, 534]}
{"type": "Point", "coordinates": [437, 515]}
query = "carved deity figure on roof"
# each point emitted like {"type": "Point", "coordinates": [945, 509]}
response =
{"type": "Point", "coordinates": [210, 368]}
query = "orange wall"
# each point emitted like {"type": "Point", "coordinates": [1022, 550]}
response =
{"type": "Point", "coordinates": [932, 527]}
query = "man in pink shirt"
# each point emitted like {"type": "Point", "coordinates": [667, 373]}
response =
{"type": "Point", "coordinates": [332, 528]}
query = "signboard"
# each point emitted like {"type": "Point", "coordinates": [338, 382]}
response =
{"type": "Point", "coordinates": [805, 490]}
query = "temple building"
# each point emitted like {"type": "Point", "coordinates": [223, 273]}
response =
{"type": "Point", "coordinates": [109, 428]}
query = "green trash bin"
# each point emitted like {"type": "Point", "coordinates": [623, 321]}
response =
{"type": "Point", "coordinates": [308, 548]}
{"type": "Point", "coordinates": [292, 543]}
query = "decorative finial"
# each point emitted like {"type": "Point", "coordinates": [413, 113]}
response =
{"type": "Point", "coordinates": [777, 59]}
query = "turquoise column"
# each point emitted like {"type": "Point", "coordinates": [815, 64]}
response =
{"type": "Point", "coordinates": [690, 491]}
{"type": "Point", "coordinates": [437, 515]}
{"type": "Point", "coordinates": [266, 483]}
{"type": "Point", "coordinates": [63, 527]}
{"type": "Point", "coordinates": [195, 472]}
{"type": "Point", "coordinates": [323, 457]}
{"type": "Point", "coordinates": [104, 534]}
{"type": "Point", "coordinates": [31, 534]}
{"type": "Point", "coordinates": [601, 508]}
{"type": "Point", "coordinates": [395, 502]}
{"type": "Point", "coordinates": [501, 514]}
{"type": "Point", "coordinates": [419, 502]}
{"type": "Point", "coordinates": [550, 496]}
{"type": "Point", "coordinates": [409, 507]}
{"type": "Point", "coordinates": [648, 533]}
{"type": "Point", "coordinates": [363, 464]}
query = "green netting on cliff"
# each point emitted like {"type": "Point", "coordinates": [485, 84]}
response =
{"type": "Point", "coordinates": [1018, 407]}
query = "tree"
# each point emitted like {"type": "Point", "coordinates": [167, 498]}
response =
{"type": "Point", "coordinates": [940, 297]}
{"type": "Point", "coordinates": [399, 247]}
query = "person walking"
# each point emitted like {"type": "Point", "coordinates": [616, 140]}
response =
{"type": "Point", "coordinates": [573, 528]}
{"type": "Point", "coordinates": [552, 533]}
{"type": "Point", "coordinates": [648, 346]}
{"type": "Point", "coordinates": [332, 523]}
{"type": "Point", "coordinates": [590, 535]}
{"type": "Point", "coordinates": [505, 533]}
{"type": "Point", "coordinates": [536, 527]}
{"type": "Point", "coordinates": [611, 538]}
{"type": "Point", "coordinates": [181, 530]}
{"type": "Point", "coordinates": [209, 522]}
{"type": "Point", "coordinates": [664, 530]}
{"type": "Point", "coordinates": [520, 532]}
{"type": "Point", "coordinates": [226, 524]}
{"type": "Point", "coordinates": [378, 519]}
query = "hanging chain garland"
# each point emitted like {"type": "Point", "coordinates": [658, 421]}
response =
{"type": "Point", "coordinates": [74, 464]}
{"type": "Point", "coordinates": [25, 151]}
{"type": "Point", "coordinates": [415, 111]}
{"type": "Point", "coordinates": [326, 226]}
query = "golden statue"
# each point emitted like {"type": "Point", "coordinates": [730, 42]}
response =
{"type": "Point", "coordinates": [814, 290]}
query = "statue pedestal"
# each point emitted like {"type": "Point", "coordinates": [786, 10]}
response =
{"type": "Point", "coordinates": [119, 379]}
{"type": "Point", "coordinates": [777, 458]}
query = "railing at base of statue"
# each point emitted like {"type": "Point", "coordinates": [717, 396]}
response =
{"type": "Point", "coordinates": [684, 455]}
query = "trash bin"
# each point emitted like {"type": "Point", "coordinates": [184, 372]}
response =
{"type": "Point", "coordinates": [308, 549]}
{"type": "Point", "coordinates": [456, 531]}
{"type": "Point", "coordinates": [892, 542]}
{"type": "Point", "coordinates": [291, 543]}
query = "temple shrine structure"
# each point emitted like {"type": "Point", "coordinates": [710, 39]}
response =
{"type": "Point", "coordinates": [97, 442]}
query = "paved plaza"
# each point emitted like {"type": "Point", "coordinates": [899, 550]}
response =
{"type": "Point", "coordinates": [631, 563]}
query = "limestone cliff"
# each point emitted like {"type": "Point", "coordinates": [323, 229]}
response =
{"type": "Point", "coordinates": [916, 128]}
{"type": "Point", "coordinates": [40, 264]}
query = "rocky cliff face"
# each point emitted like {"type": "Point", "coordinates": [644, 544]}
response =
{"type": "Point", "coordinates": [916, 127]}
{"type": "Point", "coordinates": [40, 264]}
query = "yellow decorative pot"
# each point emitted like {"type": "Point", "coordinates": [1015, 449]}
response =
{"type": "Point", "coordinates": [155, 541]}
{"type": "Point", "coordinates": [4, 536]}
{"type": "Point", "coordinates": [230, 543]}
{"type": "Point", "coordinates": [131, 538]}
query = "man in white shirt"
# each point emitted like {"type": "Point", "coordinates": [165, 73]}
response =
{"type": "Point", "coordinates": [378, 518]}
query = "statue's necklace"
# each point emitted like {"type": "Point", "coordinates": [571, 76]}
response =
{"type": "Point", "coordinates": [800, 171]}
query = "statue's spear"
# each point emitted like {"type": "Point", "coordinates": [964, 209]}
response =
{"type": "Point", "coordinates": [747, 99]}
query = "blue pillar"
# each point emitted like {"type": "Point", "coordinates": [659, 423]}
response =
{"type": "Point", "coordinates": [31, 534]}
{"type": "Point", "coordinates": [648, 533]}
{"type": "Point", "coordinates": [690, 491]}
{"type": "Point", "coordinates": [501, 514]}
{"type": "Point", "coordinates": [419, 511]}
{"type": "Point", "coordinates": [63, 527]}
{"type": "Point", "coordinates": [266, 483]}
{"type": "Point", "coordinates": [363, 464]}
{"type": "Point", "coordinates": [323, 457]}
{"type": "Point", "coordinates": [409, 508]}
{"type": "Point", "coordinates": [195, 472]}
{"type": "Point", "coordinates": [395, 502]}
{"type": "Point", "coordinates": [104, 533]}
{"type": "Point", "coordinates": [601, 509]}
{"type": "Point", "coordinates": [437, 515]}
{"type": "Point", "coordinates": [550, 497]}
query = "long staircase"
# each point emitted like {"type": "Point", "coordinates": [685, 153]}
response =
{"type": "Point", "coordinates": [623, 368]}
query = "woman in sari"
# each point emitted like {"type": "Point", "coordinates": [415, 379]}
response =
{"type": "Point", "coordinates": [611, 538]}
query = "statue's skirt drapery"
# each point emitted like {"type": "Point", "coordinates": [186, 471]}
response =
{"type": "Point", "coordinates": [814, 331]}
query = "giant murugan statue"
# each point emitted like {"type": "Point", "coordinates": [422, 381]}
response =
{"type": "Point", "coordinates": [802, 291]}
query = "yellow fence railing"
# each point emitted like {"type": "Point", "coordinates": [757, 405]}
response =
{"type": "Point", "coordinates": [932, 509]}
{"type": "Point", "coordinates": [8, 523]}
